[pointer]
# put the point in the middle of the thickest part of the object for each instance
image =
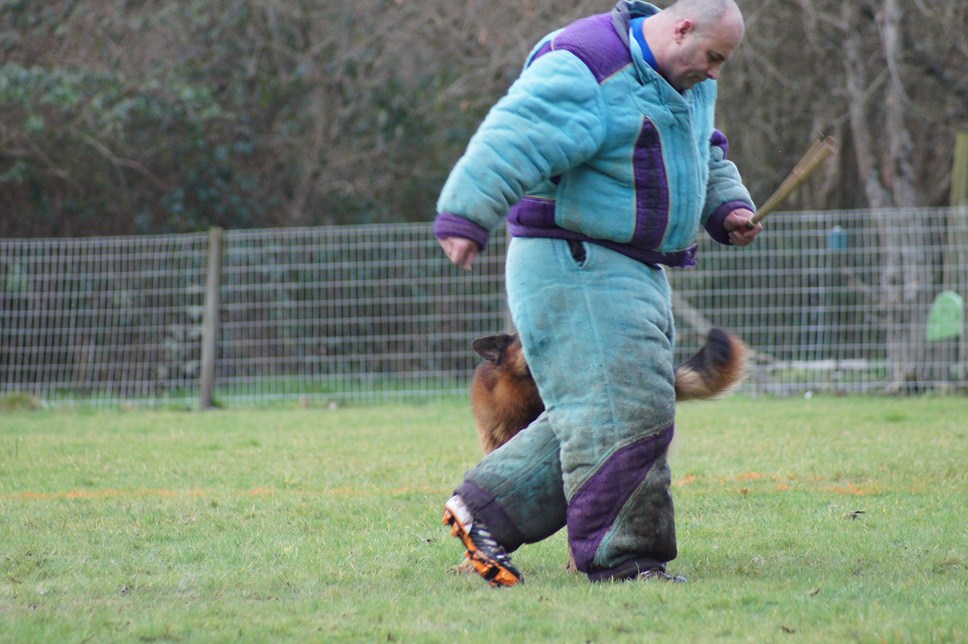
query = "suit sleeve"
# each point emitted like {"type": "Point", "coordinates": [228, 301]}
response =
{"type": "Point", "coordinates": [724, 190]}
{"type": "Point", "coordinates": [550, 120]}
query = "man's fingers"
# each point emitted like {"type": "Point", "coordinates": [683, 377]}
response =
{"type": "Point", "coordinates": [742, 231]}
{"type": "Point", "coordinates": [744, 235]}
{"type": "Point", "coordinates": [460, 251]}
{"type": "Point", "coordinates": [463, 257]}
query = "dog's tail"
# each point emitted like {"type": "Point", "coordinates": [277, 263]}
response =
{"type": "Point", "coordinates": [718, 367]}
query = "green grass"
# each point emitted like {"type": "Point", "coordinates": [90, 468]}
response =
{"type": "Point", "coordinates": [822, 520]}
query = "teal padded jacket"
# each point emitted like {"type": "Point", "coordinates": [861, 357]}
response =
{"type": "Point", "coordinates": [590, 143]}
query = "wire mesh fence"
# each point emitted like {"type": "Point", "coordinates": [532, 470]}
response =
{"type": "Point", "coordinates": [840, 301]}
{"type": "Point", "coordinates": [845, 302]}
{"type": "Point", "coordinates": [101, 320]}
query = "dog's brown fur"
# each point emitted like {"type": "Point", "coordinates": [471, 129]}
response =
{"type": "Point", "coordinates": [505, 399]}
{"type": "Point", "coordinates": [503, 395]}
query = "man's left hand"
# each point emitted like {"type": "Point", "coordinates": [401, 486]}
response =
{"type": "Point", "coordinates": [737, 225]}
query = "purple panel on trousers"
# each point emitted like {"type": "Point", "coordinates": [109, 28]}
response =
{"type": "Point", "coordinates": [597, 504]}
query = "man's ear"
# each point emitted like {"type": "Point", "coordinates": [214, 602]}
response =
{"type": "Point", "coordinates": [683, 27]}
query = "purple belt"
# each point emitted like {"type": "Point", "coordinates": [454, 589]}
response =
{"type": "Point", "coordinates": [536, 218]}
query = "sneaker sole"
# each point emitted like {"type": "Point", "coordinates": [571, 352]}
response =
{"type": "Point", "coordinates": [493, 573]}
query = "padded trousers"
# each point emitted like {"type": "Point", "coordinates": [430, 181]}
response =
{"type": "Point", "coordinates": [598, 332]}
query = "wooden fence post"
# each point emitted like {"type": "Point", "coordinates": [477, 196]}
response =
{"type": "Point", "coordinates": [955, 254]}
{"type": "Point", "coordinates": [210, 318]}
{"type": "Point", "coordinates": [954, 260]}
{"type": "Point", "coordinates": [959, 171]}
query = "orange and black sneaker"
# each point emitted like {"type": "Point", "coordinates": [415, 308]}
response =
{"type": "Point", "coordinates": [490, 559]}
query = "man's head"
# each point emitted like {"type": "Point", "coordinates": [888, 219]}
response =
{"type": "Point", "coordinates": [692, 39]}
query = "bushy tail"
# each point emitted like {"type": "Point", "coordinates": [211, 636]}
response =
{"type": "Point", "coordinates": [718, 367]}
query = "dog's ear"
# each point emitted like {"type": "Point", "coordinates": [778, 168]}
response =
{"type": "Point", "coordinates": [493, 347]}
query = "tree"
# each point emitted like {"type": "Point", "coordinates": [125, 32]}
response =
{"type": "Point", "coordinates": [168, 116]}
{"type": "Point", "coordinates": [873, 73]}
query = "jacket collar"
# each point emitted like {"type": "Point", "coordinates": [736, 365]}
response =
{"type": "Point", "coordinates": [625, 10]}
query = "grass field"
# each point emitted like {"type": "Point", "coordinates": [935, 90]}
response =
{"type": "Point", "coordinates": [821, 520]}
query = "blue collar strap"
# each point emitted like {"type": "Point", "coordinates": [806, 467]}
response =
{"type": "Point", "coordinates": [635, 26]}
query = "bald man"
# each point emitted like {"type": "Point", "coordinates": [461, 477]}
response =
{"type": "Point", "coordinates": [605, 159]}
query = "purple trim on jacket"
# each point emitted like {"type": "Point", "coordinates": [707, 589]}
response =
{"type": "Point", "coordinates": [450, 225]}
{"type": "Point", "coordinates": [718, 140]}
{"type": "Point", "coordinates": [589, 517]}
{"type": "Point", "coordinates": [715, 224]}
{"type": "Point", "coordinates": [534, 217]}
{"type": "Point", "coordinates": [651, 189]}
{"type": "Point", "coordinates": [596, 43]}
{"type": "Point", "coordinates": [544, 49]}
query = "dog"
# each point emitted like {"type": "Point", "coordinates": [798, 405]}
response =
{"type": "Point", "coordinates": [505, 398]}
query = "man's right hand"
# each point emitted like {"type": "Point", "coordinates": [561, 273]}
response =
{"type": "Point", "coordinates": [460, 251]}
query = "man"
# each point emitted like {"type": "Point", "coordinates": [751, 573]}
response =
{"type": "Point", "coordinates": [605, 152]}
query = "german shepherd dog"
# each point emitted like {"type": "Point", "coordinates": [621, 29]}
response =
{"type": "Point", "coordinates": [505, 398]}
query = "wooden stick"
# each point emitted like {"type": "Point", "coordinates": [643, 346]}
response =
{"type": "Point", "coordinates": [819, 152]}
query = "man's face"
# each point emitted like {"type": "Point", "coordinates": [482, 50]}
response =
{"type": "Point", "coordinates": [699, 55]}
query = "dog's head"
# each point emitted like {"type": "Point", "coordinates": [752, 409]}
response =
{"type": "Point", "coordinates": [504, 350]}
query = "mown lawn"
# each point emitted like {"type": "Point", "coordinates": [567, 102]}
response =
{"type": "Point", "coordinates": [821, 520]}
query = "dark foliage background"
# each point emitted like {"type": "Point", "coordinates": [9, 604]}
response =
{"type": "Point", "coordinates": [160, 116]}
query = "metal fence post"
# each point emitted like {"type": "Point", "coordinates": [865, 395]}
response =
{"type": "Point", "coordinates": [210, 318]}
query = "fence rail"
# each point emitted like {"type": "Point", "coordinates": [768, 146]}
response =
{"type": "Point", "coordinates": [838, 301]}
